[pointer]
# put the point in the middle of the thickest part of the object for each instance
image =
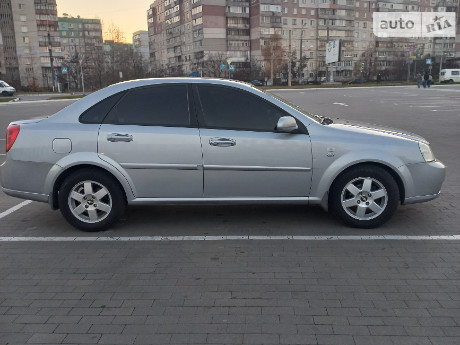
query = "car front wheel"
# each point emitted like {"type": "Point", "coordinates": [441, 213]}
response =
{"type": "Point", "coordinates": [364, 196]}
{"type": "Point", "coordinates": [91, 201]}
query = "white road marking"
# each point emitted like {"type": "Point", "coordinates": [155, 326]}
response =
{"type": "Point", "coordinates": [14, 208]}
{"type": "Point", "coordinates": [38, 101]}
{"type": "Point", "coordinates": [345, 105]}
{"type": "Point", "coordinates": [234, 238]}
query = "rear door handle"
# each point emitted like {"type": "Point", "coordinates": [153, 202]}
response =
{"type": "Point", "coordinates": [222, 142]}
{"type": "Point", "coordinates": [113, 137]}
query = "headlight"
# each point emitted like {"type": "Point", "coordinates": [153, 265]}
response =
{"type": "Point", "coordinates": [426, 152]}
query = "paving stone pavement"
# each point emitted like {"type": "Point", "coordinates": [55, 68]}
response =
{"type": "Point", "coordinates": [231, 292]}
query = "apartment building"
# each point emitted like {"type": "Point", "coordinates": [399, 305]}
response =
{"type": "Point", "coordinates": [30, 33]}
{"type": "Point", "coordinates": [185, 34]}
{"type": "Point", "coordinates": [81, 38]}
{"type": "Point", "coordinates": [141, 44]}
{"type": "Point", "coordinates": [2, 59]}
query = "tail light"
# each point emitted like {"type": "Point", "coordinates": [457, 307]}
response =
{"type": "Point", "coordinates": [11, 135]}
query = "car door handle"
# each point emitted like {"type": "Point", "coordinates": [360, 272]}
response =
{"type": "Point", "coordinates": [222, 142]}
{"type": "Point", "coordinates": [119, 137]}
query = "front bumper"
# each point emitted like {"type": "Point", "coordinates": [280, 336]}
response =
{"type": "Point", "coordinates": [423, 181]}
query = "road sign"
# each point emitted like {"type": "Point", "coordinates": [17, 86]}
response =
{"type": "Point", "coordinates": [231, 67]}
{"type": "Point", "coordinates": [428, 61]}
{"type": "Point", "coordinates": [222, 66]}
{"type": "Point", "coordinates": [64, 70]}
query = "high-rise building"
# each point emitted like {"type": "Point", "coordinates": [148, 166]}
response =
{"type": "Point", "coordinates": [82, 49]}
{"type": "Point", "coordinates": [141, 45]}
{"type": "Point", "coordinates": [184, 34]}
{"type": "Point", "coordinates": [2, 58]}
{"type": "Point", "coordinates": [31, 42]}
{"type": "Point", "coordinates": [80, 38]}
{"type": "Point", "coordinates": [187, 34]}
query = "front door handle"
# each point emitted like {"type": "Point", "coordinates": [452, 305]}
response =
{"type": "Point", "coordinates": [113, 137]}
{"type": "Point", "coordinates": [222, 142]}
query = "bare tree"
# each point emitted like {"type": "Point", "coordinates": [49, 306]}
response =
{"type": "Point", "coordinates": [212, 65]}
{"type": "Point", "coordinates": [273, 55]}
{"type": "Point", "coordinates": [115, 34]}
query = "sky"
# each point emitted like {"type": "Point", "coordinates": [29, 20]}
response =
{"type": "Point", "coordinates": [128, 15]}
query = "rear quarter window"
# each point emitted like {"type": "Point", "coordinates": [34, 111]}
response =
{"type": "Point", "coordinates": [99, 111]}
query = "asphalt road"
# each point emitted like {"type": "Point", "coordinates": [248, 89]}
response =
{"type": "Point", "coordinates": [270, 291]}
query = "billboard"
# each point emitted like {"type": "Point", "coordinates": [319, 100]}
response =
{"type": "Point", "coordinates": [333, 51]}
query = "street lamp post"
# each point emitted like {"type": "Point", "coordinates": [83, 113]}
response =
{"type": "Point", "coordinates": [50, 51]}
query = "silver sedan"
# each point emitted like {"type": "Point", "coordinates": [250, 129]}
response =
{"type": "Point", "coordinates": [195, 141]}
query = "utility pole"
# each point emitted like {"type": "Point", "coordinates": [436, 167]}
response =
{"type": "Point", "coordinates": [271, 64]}
{"type": "Point", "coordinates": [301, 54]}
{"type": "Point", "coordinates": [82, 78]}
{"type": "Point", "coordinates": [440, 68]}
{"type": "Point", "coordinates": [408, 70]}
{"type": "Point", "coordinates": [327, 42]}
{"type": "Point", "coordinates": [290, 60]}
{"type": "Point", "coordinates": [50, 50]}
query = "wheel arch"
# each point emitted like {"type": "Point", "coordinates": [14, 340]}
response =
{"type": "Point", "coordinates": [392, 171]}
{"type": "Point", "coordinates": [388, 169]}
{"type": "Point", "coordinates": [54, 200]}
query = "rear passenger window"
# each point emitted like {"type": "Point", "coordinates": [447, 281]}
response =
{"type": "Point", "coordinates": [97, 113]}
{"type": "Point", "coordinates": [165, 105]}
{"type": "Point", "coordinates": [455, 72]}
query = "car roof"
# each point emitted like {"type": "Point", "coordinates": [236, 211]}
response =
{"type": "Point", "coordinates": [87, 102]}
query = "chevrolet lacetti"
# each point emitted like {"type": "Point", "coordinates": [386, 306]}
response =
{"type": "Point", "coordinates": [209, 141]}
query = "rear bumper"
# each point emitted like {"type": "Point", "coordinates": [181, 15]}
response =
{"type": "Point", "coordinates": [26, 195]}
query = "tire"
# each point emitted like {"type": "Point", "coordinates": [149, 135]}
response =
{"type": "Point", "coordinates": [5, 93]}
{"type": "Point", "coordinates": [91, 200]}
{"type": "Point", "coordinates": [364, 196]}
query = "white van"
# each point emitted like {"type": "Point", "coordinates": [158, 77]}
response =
{"type": "Point", "coordinates": [6, 90]}
{"type": "Point", "coordinates": [450, 75]}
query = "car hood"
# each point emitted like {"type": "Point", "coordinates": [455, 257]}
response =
{"type": "Point", "coordinates": [380, 129]}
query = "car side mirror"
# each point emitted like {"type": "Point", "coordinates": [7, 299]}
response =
{"type": "Point", "coordinates": [286, 124]}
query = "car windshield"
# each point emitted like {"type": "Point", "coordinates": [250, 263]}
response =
{"type": "Point", "coordinates": [4, 84]}
{"type": "Point", "coordinates": [311, 116]}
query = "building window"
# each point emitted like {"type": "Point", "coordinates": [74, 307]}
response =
{"type": "Point", "coordinates": [24, 29]}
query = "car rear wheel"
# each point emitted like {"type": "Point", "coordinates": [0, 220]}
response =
{"type": "Point", "coordinates": [91, 201]}
{"type": "Point", "coordinates": [364, 197]}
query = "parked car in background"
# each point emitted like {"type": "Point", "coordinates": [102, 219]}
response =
{"type": "Point", "coordinates": [210, 141]}
{"type": "Point", "coordinates": [6, 90]}
{"type": "Point", "coordinates": [450, 76]}
{"type": "Point", "coordinates": [257, 83]}
{"type": "Point", "coordinates": [357, 81]}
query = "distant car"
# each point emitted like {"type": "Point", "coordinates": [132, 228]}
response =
{"type": "Point", "coordinates": [6, 90]}
{"type": "Point", "coordinates": [211, 141]}
{"type": "Point", "coordinates": [357, 81]}
{"type": "Point", "coordinates": [450, 75]}
{"type": "Point", "coordinates": [257, 83]}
